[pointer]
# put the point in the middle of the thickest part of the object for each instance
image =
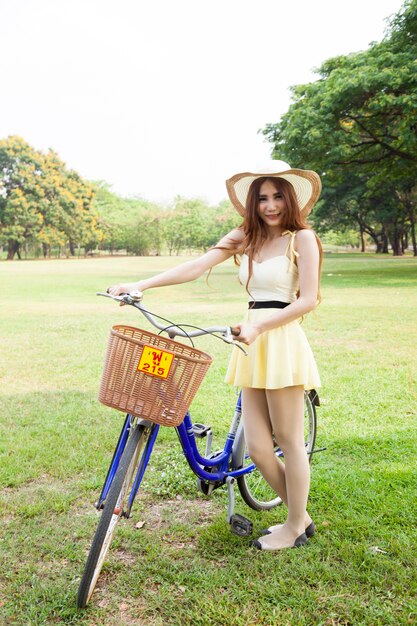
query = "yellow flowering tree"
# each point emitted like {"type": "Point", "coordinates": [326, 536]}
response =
{"type": "Point", "coordinates": [42, 202]}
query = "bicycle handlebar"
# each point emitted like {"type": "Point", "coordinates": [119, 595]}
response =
{"type": "Point", "coordinates": [135, 298]}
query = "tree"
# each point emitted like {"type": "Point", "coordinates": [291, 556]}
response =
{"type": "Point", "coordinates": [223, 218]}
{"type": "Point", "coordinates": [185, 226]}
{"type": "Point", "coordinates": [20, 190]}
{"type": "Point", "coordinates": [130, 224]}
{"type": "Point", "coordinates": [69, 216]}
{"type": "Point", "coordinates": [357, 126]}
{"type": "Point", "coordinates": [42, 201]}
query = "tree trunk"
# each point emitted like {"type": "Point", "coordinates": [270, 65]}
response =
{"type": "Point", "coordinates": [396, 242]}
{"type": "Point", "coordinates": [404, 242]}
{"type": "Point", "coordinates": [72, 248]}
{"type": "Point", "coordinates": [363, 244]}
{"type": "Point", "coordinates": [365, 228]}
{"type": "Point", "coordinates": [396, 246]}
{"type": "Point", "coordinates": [12, 249]}
{"type": "Point", "coordinates": [409, 203]}
{"type": "Point", "coordinates": [413, 238]}
{"type": "Point", "coordinates": [385, 242]}
{"type": "Point", "coordinates": [377, 239]}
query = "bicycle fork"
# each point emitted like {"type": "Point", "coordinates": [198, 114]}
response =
{"type": "Point", "coordinates": [117, 455]}
{"type": "Point", "coordinates": [129, 423]}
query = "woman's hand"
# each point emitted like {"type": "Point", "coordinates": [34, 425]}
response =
{"type": "Point", "coordinates": [117, 290]}
{"type": "Point", "coordinates": [248, 333]}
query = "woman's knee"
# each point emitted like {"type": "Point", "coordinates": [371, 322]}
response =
{"type": "Point", "coordinates": [291, 445]}
{"type": "Point", "coordinates": [260, 451]}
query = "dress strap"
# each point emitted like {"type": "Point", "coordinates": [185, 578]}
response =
{"type": "Point", "coordinates": [290, 248]}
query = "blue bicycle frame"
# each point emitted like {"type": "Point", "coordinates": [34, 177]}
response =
{"type": "Point", "coordinates": [198, 463]}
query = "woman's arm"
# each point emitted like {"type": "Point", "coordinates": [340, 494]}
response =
{"type": "Point", "coordinates": [188, 271]}
{"type": "Point", "coordinates": [308, 271]}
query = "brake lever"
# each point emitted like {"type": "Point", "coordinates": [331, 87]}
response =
{"type": "Point", "coordinates": [238, 345]}
{"type": "Point", "coordinates": [127, 298]}
{"type": "Point", "coordinates": [108, 295]}
{"type": "Point", "coordinates": [228, 338]}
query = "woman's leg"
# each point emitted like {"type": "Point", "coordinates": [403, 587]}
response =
{"type": "Point", "coordinates": [286, 412]}
{"type": "Point", "coordinates": [258, 437]}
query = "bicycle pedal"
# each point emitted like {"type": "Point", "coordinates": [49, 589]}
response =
{"type": "Point", "coordinates": [200, 430]}
{"type": "Point", "coordinates": [240, 525]}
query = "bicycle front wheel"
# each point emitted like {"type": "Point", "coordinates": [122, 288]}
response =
{"type": "Point", "coordinates": [113, 510]}
{"type": "Point", "coordinates": [254, 489]}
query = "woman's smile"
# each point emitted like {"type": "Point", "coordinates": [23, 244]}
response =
{"type": "Point", "coordinates": [271, 204]}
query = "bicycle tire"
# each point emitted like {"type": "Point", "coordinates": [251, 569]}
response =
{"type": "Point", "coordinates": [112, 512]}
{"type": "Point", "coordinates": [253, 488]}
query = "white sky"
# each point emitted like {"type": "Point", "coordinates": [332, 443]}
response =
{"type": "Point", "coordinates": [165, 97]}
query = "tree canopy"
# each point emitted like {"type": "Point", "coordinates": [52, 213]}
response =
{"type": "Point", "coordinates": [46, 206]}
{"type": "Point", "coordinates": [357, 126]}
{"type": "Point", "coordinates": [42, 200]}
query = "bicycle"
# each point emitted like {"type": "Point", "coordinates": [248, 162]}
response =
{"type": "Point", "coordinates": [138, 435]}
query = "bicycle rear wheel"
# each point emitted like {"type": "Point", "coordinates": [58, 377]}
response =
{"type": "Point", "coordinates": [113, 510]}
{"type": "Point", "coordinates": [254, 489]}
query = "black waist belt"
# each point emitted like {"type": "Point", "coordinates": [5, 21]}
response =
{"type": "Point", "coordinates": [268, 304]}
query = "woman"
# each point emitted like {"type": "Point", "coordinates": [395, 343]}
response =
{"type": "Point", "coordinates": [280, 269]}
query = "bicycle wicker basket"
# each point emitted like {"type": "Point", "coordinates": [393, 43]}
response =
{"type": "Point", "coordinates": [150, 376]}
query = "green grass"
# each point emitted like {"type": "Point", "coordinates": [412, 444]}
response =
{"type": "Point", "coordinates": [184, 566]}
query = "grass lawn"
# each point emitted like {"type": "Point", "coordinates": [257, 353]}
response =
{"type": "Point", "coordinates": [183, 566]}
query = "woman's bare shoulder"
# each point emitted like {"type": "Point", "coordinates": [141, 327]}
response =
{"type": "Point", "coordinates": [233, 239]}
{"type": "Point", "coordinates": [237, 233]}
{"type": "Point", "coordinates": [305, 240]}
{"type": "Point", "coordinates": [305, 235]}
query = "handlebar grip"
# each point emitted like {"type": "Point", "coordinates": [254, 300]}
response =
{"type": "Point", "coordinates": [235, 330]}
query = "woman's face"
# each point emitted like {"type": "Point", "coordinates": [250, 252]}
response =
{"type": "Point", "coordinates": [271, 205]}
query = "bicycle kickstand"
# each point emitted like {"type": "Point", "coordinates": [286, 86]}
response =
{"type": "Point", "coordinates": [239, 525]}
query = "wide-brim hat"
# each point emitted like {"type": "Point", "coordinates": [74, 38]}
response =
{"type": "Point", "coordinates": [306, 184]}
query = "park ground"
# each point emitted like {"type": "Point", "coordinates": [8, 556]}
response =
{"type": "Point", "coordinates": [175, 561]}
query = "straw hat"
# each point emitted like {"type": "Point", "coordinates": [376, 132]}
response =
{"type": "Point", "coordinates": [306, 184]}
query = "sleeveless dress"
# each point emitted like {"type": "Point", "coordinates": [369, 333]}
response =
{"type": "Point", "coordinates": [280, 357]}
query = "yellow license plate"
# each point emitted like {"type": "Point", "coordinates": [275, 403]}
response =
{"type": "Point", "coordinates": [155, 362]}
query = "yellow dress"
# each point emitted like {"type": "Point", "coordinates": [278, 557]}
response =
{"type": "Point", "coordinates": [280, 357]}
